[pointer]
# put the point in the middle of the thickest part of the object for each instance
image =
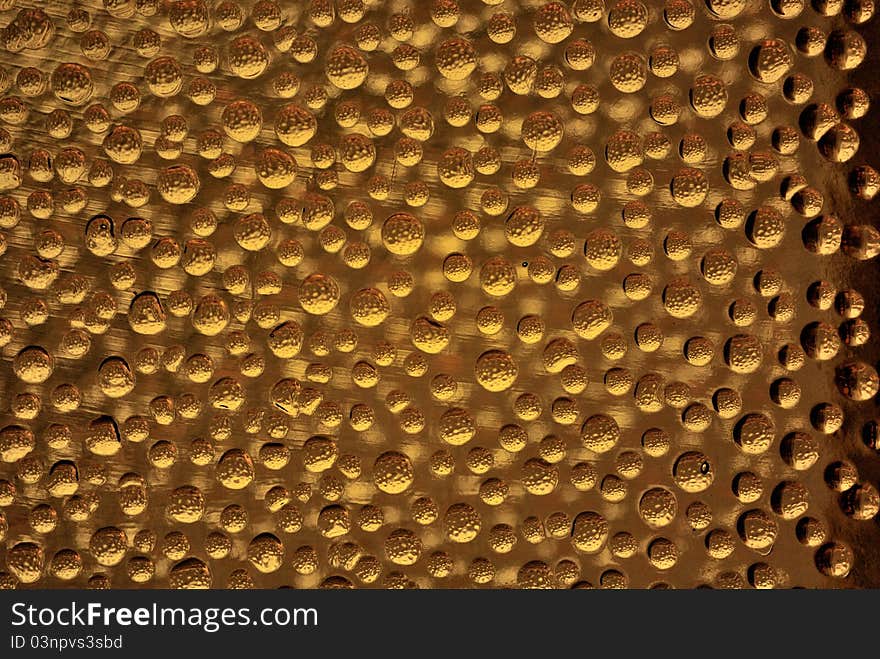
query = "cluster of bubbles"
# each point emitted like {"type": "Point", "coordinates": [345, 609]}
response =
{"type": "Point", "coordinates": [463, 292]}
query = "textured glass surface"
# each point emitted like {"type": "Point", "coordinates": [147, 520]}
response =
{"type": "Point", "coordinates": [438, 294]}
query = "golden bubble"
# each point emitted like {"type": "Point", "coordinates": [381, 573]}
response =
{"type": "Point", "coordinates": [346, 68]}
{"type": "Point", "coordinates": [461, 523]}
{"type": "Point", "coordinates": [318, 294]}
{"type": "Point", "coordinates": [496, 370]}
{"type": "Point", "coordinates": [393, 472]}
{"type": "Point", "coordinates": [455, 58]}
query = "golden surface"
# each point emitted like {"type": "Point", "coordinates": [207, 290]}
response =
{"type": "Point", "coordinates": [438, 294]}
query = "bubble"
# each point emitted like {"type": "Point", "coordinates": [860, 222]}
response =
{"type": "Point", "coordinates": [456, 168]}
{"type": "Point", "coordinates": [553, 22]}
{"type": "Point", "coordinates": [580, 54]}
{"type": "Point", "coordinates": [357, 153]}
{"type": "Point", "coordinates": [456, 426]}
{"type": "Point", "coordinates": [235, 469]}
{"type": "Point", "coordinates": [461, 523]}
{"type": "Point", "coordinates": [748, 487]}
{"type": "Point", "coordinates": [589, 532]}
{"type": "Point", "coordinates": [16, 442]}
{"type": "Point", "coordinates": [790, 499]}
{"type": "Point", "coordinates": [845, 49]}
{"type": "Point", "coordinates": [210, 315]}
{"type": "Point", "coordinates": [455, 58]}
{"type": "Point", "coordinates": [242, 120]}
{"type": "Point", "coordinates": [681, 298]}
{"type": "Point", "coordinates": [496, 370]}
{"type": "Point", "coordinates": [602, 249]}
{"type": "Point", "coordinates": [266, 553]}
{"type": "Point", "coordinates": [178, 184]}
{"type": "Point", "coordinates": [108, 545]}
{"type": "Point", "coordinates": [693, 472]}
{"type": "Point", "coordinates": [252, 232]}
{"type": "Point", "coordinates": [72, 84]}
{"type": "Point", "coordinates": [123, 145]}
{"type": "Point", "coordinates": [146, 314]}
{"type": "Point", "coordinates": [497, 277]}
{"type": "Point", "coordinates": [600, 433]}
{"type": "Point", "coordinates": [624, 151]}
{"type": "Point", "coordinates": [860, 502]}
{"type": "Point", "coordinates": [26, 560]}
{"type": "Point", "coordinates": [627, 18]}
{"type": "Point", "coordinates": [318, 294]}
{"type": "Point", "coordinates": [164, 76]}
{"type": "Point", "coordinates": [190, 573]}
{"type": "Point", "coordinates": [689, 187]}
{"type": "Point", "coordinates": [369, 307]}
{"type": "Point", "coordinates": [840, 143]}
{"type": "Point", "coordinates": [542, 131]}
{"type": "Point", "coordinates": [662, 553]}
{"type": "Point", "coordinates": [402, 234]}
{"type": "Point", "coordinates": [857, 380]}
{"type": "Point", "coordinates": [275, 169]}
{"type": "Point", "coordinates": [708, 96]}
{"type": "Point", "coordinates": [189, 18]}
{"type": "Point", "coordinates": [743, 353]}
{"type": "Point", "coordinates": [115, 377]}
{"type": "Point", "coordinates": [820, 341]}
{"type": "Point", "coordinates": [628, 72]}
{"type": "Point", "coordinates": [757, 530]}
{"type": "Point", "coordinates": [186, 504]}
{"type": "Point", "coordinates": [199, 257]}
{"type": "Point", "coordinates": [248, 58]}
{"type": "Point", "coordinates": [590, 318]}
{"type": "Point", "coordinates": [520, 74]}
{"type": "Point", "coordinates": [346, 68]}
{"type": "Point", "coordinates": [770, 60]}
{"type": "Point", "coordinates": [33, 365]}
{"type": "Point", "coordinates": [294, 125]}
{"type": "Point", "coordinates": [393, 472]}
{"type": "Point", "coordinates": [658, 507]}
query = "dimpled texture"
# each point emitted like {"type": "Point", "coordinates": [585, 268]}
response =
{"type": "Point", "coordinates": [442, 294]}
